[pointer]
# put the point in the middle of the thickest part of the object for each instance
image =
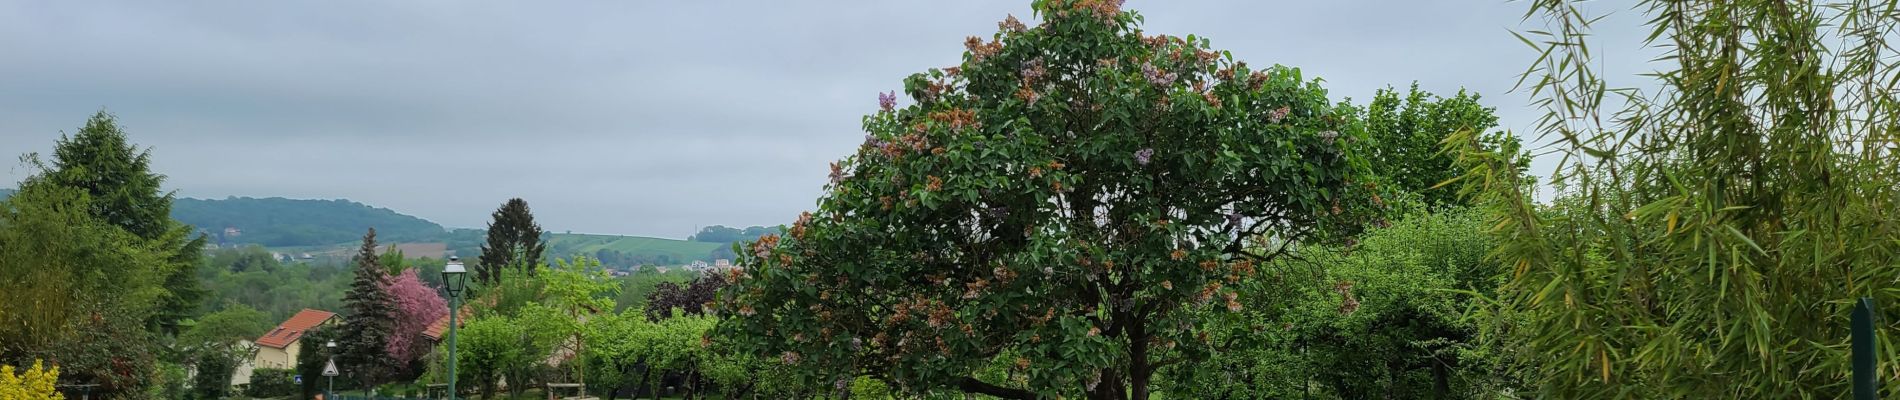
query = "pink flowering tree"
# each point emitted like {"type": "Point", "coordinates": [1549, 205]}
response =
{"type": "Point", "coordinates": [416, 306]}
{"type": "Point", "coordinates": [1061, 215]}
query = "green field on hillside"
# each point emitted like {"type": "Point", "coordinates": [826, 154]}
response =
{"type": "Point", "coordinates": [562, 245]}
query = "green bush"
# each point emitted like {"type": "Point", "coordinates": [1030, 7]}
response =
{"type": "Point", "coordinates": [1382, 317]}
{"type": "Point", "coordinates": [272, 382]}
{"type": "Point", "coordinates": [869, 388]}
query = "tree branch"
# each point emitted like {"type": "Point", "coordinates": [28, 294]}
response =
{"type": "Point", "coordinates": [973, 385]}
{"type": "Point", "coordinates": [1284, 246]}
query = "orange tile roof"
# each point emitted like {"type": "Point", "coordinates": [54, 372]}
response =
{"type": "Point", "coordinates": [436, 328]}
{"type": "Point", "coordinates": [441, 325]}
{"type": "Point", "coordinates": [288, 332]}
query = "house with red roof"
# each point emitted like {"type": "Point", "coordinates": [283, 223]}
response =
{"type": "Point", "coordinates": [278, 348]}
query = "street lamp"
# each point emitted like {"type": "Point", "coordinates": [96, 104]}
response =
{"type": "Point", "coordinates": [331, 346]}
{"type": "Point", "coordinates": [454, 279]}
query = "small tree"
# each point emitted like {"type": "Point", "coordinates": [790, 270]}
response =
{"type": "Point", "coordinates": [576, 290]}
{"type": "Point", "coordinates": [1055, 207]}
{"type": "Point", "coordinates": [393, 260]}
{"type": "Point", "coordinates": [371, 319]}
{"type": "Point", "coordinates": [690, 299]}
{"type": "Point", "coordinates": [488, 347]}
{"type": "Point", "coordinates": [213, 380]}
{"type": "Point", "coordinates": [310, 361]}
{"type": "Point", "coordinates": [619, 345]}
{"type": "Point", "coordinates": [1404, 132]}
{"type": "Point", "coordinates": [212, 345]}
{"type": "Point", "coordinates": [416, 305]}
{"type": "Point", "coordinates": [514, 241]}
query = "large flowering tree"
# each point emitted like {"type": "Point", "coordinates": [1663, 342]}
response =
{"type": "Point", "coordinates": [1047, 218]}
{"type": "Point", "coordinates": [416, 306]}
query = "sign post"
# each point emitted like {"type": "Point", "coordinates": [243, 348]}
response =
{"type": "Point", "coordinates": [1865, 385]}
{"type": "Point", "coordinates": [329, 370]}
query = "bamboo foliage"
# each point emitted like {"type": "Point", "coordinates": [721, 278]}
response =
{"type": "Point", "coordinates": [1708, 236]}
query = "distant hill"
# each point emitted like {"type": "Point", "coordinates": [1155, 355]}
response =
{"type": "Point", "coordinates": [281, 222]}
{"type": "Point", "coordinates": [5, 193]}
{"type": "Point", "coordinates": [336, 226]}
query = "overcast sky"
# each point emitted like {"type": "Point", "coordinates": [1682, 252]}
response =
{"type": "Point", "coordinates": [628, 117]}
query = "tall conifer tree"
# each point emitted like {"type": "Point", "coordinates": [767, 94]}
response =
{"type": "Point", "coordinates": [514, 241]}
{"type": "Point", "coordinates": [124, 192]}
{"type": "Point", "coordinates": [367, 327]}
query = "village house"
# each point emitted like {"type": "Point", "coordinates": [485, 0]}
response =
{"type": "Point", "coordinates": [279, 347]}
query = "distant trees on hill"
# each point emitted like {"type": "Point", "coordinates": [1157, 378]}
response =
{"type": "Point", "coordinates": [725, 234]}
{"type": "Point", "coordinates": [279, 222]}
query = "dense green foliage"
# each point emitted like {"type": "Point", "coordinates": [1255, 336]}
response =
{"type": "Point", "coordinates": [1070, 201]}
{"type": "Point", "coordinates": [116, 176]}
{"type": "Point", "coordinates": [94, 278]}
{"type": "Point", "coordinates": [273, 382]}
{"type": "Point", "coordinates": [515, 242]}
{"type": "Point", "coordinates": [123, 191]}
{"type": "Point", "coordinates": [248, 276]}
{"type": "Point", "coordinates": [280, 222]}
{"type": "Point", "coordinates": [529, 319]}
{"type": "Point", "coordinates": [59, 266]}
{"type": "Point", "coordinates": [1383, 317]}
{"type": "Point", "coordinates": [1709, 236]}
{"type": "Point", "coordinates": [489, 349]}
{"type": "Point", "coordinates": [557, 326]}
{"type": "Point", "coordinates": [1405, 135]}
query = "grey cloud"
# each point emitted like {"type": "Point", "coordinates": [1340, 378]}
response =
{"type": "Point", "coordinates": [647, 118]}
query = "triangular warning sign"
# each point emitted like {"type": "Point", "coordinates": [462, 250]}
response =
{"type": "Point", "coordinates": [329, 368]}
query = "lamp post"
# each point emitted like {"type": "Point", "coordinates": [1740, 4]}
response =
{"type": "Point", "coordinates": [453, 279]}
{"type": "Point", "coordinates": [331, 346]}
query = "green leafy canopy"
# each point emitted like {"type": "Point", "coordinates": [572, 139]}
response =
{"type": "Point", "coordinates": [1057, 203]}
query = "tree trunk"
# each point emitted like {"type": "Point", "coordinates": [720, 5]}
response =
{"type": "Point", "coordinates": [645, 373]}
{"type": "Point", "coordinates": [1110, 386]}
{"type": "Point", "coordinates": [1441, 381]}
{"type": "Point", "coordinates": [651, 390]}
{"type": "Point", "coordinates": [1139, 370]}
{"type": "Point", "coordinates": [692, 386]}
